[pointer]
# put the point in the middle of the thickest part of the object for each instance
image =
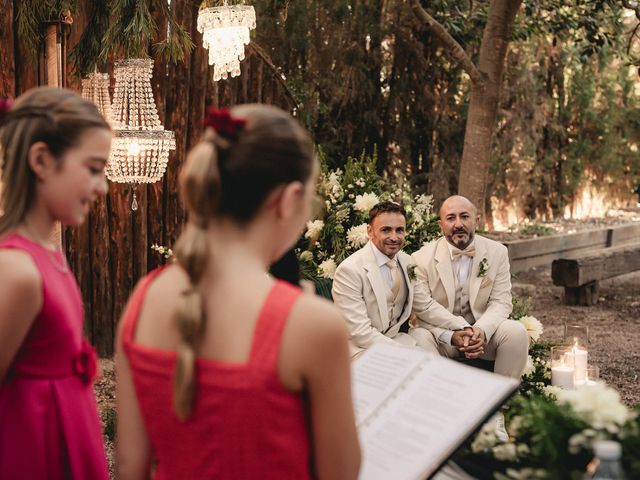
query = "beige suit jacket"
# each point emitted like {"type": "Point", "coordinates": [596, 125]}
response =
{"type": "Point", "coordinates": [360, 292]}
{"type": "Point", "coordinates": [489, 295]}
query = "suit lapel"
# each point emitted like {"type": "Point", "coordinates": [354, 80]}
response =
{"type": "Point", "coordinates": [404, 261]}
{"type": "Point", "coordinates": [377, 283]}
{"type": "Point", "coordinates": [445, 270]}
{"type": "Point", "coordinates": [475, 281]}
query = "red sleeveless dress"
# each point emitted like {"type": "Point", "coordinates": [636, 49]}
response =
{"type": "Point", "coordinates": [49, 426]}
{"type": "Point", "coordinates": [244, 423]}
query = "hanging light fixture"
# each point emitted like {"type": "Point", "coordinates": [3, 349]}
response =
{"type": "Point", "coordinates": [225, 32]}
{"type": "Point", "coordinates": [95, 88]}
{"type": "Point", "coordinates": [141, 145]}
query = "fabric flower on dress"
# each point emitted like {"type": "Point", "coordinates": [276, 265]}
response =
{"type": "Point", "coordinates": [365, 202]}
{"type": "Point", "coordinates": [357, 236]}
{"type": "Point", "coordinates": [85, 364]}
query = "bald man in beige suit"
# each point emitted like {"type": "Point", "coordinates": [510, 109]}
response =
{"type": "Point", "coordinates": [469, 276]}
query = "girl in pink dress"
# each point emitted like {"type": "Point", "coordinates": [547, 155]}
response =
{"type": "Point", "coordinates": [53, 150]}
{"type": "Point", "coordinates": [222, 372]}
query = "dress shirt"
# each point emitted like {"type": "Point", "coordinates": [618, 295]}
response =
{"type": "Point", "coordinates": [385, 271]}
{"type": "Point", "coordinates": [461, 269]}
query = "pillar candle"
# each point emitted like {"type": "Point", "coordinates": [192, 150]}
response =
{"type": "Point", "coordinates": [562, 376]}
{"type": "Point", "coordinates": [578, 358]}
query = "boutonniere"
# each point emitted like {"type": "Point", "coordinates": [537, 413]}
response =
{"type": "Point", "coordinates": [484, 266]}
{"type": "Point", "coordinates": [411, 271]}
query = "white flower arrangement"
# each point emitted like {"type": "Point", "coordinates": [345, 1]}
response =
{"type": "Point", "coordinates": [529, 368]}
{"type": "Point", "coordinates": [313, 230]}
{"type": "Point", "coordinates": [167, 253]}
{"type": "Point", "coordinates": [505, 452]}
{"type": "Point", "coordinates": [365, 202]}
{"type": "Point", "coordinates": [327, 269]}
{"type": "Point", "coordinates": [486, 438]}
{"type": "Point", "coordinates": [306, 256]}
{"type": "Point", "coordinates": [534, 327]}
{"type": "Point", "coordinates": [598, 405]}
{"type": "Point", "coordinates": [357, 236]}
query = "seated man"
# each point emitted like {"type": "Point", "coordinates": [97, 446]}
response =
{"type": "Point", "coordinates": [469, 275]}
{"type": "Point", "coordinates": [373, 288]}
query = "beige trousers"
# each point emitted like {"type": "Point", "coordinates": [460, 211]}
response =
{"type": "Point", "coordinates": [508, 347]}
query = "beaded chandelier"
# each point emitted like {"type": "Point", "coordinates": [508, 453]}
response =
{"type": "Point", "coordinates": [95, 88]}
{"type": "Point", "coordinates": [225, 32]}
{"type": "Point", "coordinates": [141, 145]}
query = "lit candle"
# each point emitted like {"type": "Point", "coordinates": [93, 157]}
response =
{"type": "Point", "coordinates": [562, 376]}
{"type": "Point", "coordinates": [578, 358]}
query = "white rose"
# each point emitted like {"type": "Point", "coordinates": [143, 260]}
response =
{"type": "Point", "coordinates": [313, 229]}
{"type": "Point", "coordinates": [505, 452]}
{"type": "Point", "coordinates": [598, 405]}
{"type": "Point", "coordinates": [365, 202]}
{"type": "Point", "coordinates": [327, 268]}
{"type": "Point", "coordinates": [306, 256]}
{"type": "Point", "coordinates": [485, 439]}
{"type": "Point", "coordinates": [357, 236]}
{"type": "Point", "coordinates": [529, 368]}
{"type": "Point", "coordinates": [533, 326]}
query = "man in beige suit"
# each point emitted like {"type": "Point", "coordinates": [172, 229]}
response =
{"type": "Point", "coordinates": [469, 276]}
{"type": "Point", "coordinates": [374, 290]}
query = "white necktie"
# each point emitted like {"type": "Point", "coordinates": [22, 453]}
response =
{"type": "Point", "coordinates": [395, 277]}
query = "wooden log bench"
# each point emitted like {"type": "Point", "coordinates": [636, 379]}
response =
{"type": "Point", "coordinates": [581, 274]}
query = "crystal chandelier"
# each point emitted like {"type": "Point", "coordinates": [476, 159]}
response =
{"type": "Point", "coordinates": [95, 88]}
{"type": "Point", "coordinates": [225, 32]}
{"type": "Point", "coordinates": [141, 145]}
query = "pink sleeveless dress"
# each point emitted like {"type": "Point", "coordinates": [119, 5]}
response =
{"type": "Point", "coordinates": [244, 423]}
{"type": "Point", "coordinates": [49, 426]}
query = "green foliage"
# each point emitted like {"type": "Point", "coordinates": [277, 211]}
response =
{"type": "Point", "coordinates": [85, 55]}
{"type": "Point", "coordinates": [32, 14]}
{"type": "Point", "coordinates": [132, 28]}
{"type": "Point", "coordinates": [177, 43]}
{"type": "Point", "coordinates": [109, 420]}
{"type": "Point", "coordinates": [630, 439]}
{"type": "Point", "coordinates": [535, 229]}
{"type": "Point", "coordinates": [520, 308]}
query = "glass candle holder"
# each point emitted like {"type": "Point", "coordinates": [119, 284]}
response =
{"type": "Point", "coordinates": [593, 375]}
{"type": "Point", "coordinates": [562, 367]}
{"type": "Point", "coordinates": [576, 335]}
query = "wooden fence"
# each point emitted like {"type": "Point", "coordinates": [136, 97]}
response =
{"type": "Point", "coordinates": [111, 251]}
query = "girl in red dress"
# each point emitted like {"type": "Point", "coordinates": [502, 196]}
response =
{"type": "Point", "coordinates": [53, 149]}
{"type": "Point", "coordinates": [223, 372]}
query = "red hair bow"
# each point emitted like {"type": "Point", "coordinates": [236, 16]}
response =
{"type": "Point", "coordinates": [5, 105]}
{"type": "Point", "coordinates": [223, 123]}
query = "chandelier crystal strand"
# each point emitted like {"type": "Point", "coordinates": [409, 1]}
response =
{"type": "Point", "coordinates": [141, 145]}
{"type": "Point", "coordinates": [225, 32]}
{"type": "Point", "coordinates": [95, 88]}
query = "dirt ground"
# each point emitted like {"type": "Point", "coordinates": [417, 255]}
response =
{"type": "Point", "coordinates": [614, 324]}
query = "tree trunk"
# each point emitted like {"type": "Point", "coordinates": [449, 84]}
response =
{"type": "Point", "coordinates": [483, 106]}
